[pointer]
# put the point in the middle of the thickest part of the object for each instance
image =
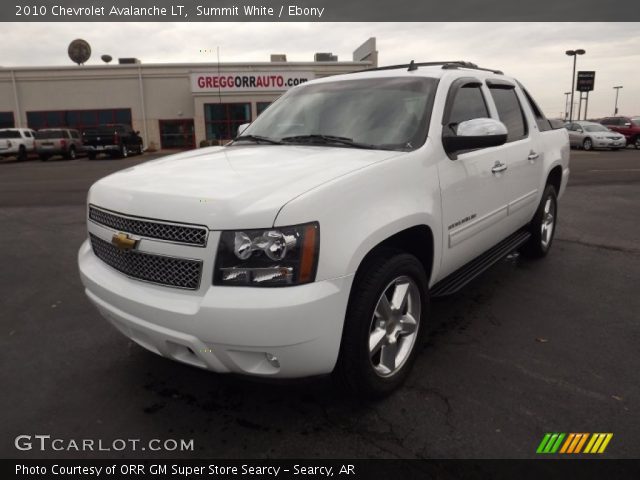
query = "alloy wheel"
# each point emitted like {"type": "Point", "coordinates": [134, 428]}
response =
{"type": "Point", "coordinates": [394, 326]}
{"type": "Point", "coordinates": [548, 223]}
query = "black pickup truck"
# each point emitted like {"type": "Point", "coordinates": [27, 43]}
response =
{"type": "Point", "coordinates": [116, 140]}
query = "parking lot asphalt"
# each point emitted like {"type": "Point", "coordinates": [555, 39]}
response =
{"type": "Point", "coordinates": [529, 347]}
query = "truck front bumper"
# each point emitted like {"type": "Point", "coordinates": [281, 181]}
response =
{"type": "Point", "coordinates": [277, 332]}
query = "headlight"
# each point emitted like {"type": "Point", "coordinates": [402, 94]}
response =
{"type": "Point", "coordinates": [268, 257]}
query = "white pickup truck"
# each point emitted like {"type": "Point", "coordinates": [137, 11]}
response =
{"type": "Point", "coordinates": [17, 142]}
{"type": "Point", "coordinates": [313, 242]}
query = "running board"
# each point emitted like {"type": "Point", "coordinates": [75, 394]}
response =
{"type": "Point", "coordinates": [471, 270]}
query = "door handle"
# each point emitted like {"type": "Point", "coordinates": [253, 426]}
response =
{"type": "Point", "coordinates": [499, 167]}
{"type": "Point", "coordinates": [533, 156]}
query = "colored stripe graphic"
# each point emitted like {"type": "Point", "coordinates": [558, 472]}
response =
{"type": "Point", "coordinates": [573, 443]}
{"type": "Point", "coordinates": [598, 442]}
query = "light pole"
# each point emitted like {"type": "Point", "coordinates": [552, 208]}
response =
{"type": "Point", "coordinates": [574, 54]}
{"type": "Point", "coordinates": [566, 105]}
{"type": "Point", "coordinates": [617, 89]}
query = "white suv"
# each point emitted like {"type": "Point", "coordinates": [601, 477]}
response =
{"type": "Point", "coordinates": [17, 142]}
{"type": "Point", "coordinates": [313, 242]}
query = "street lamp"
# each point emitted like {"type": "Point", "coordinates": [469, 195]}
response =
{"type": "Point", "coordinates": [566, 105]}
{"type": "Point", "coordinates": [574, 54]}
{"type": "Point", "coordinates": [615, 112]}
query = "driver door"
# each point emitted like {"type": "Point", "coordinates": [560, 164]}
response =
{"type": "Point", "coordinates": [474, 186]}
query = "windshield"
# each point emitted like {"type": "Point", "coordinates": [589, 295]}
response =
{"type": "Point", "coordinates": [9, 134]}
{"type": "Point", "coordinates": [595, 128]}
{"type": "Point", "coordinates": [381, 113]}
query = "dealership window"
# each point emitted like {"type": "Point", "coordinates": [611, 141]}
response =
{"type": "Point", "coordinates": [261, 107]}
{"type": "Point", "coordinates": [6, 120]}
{"type": "Point", "coordinates": [223, 119]}
{"type": "Point", "coordinates": [178, 134]}
{"type": "Point", "coordinates": [78, 119]}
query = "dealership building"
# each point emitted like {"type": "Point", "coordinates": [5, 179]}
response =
{"type": "Point", "coordinates": [173, 106]}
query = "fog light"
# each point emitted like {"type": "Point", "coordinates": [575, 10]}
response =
{"type": "Point", "coordinates": [273, 360]}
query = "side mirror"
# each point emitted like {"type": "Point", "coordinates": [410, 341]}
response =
{"type": "Point", "coordinates": [475, 133]}
{"type": "Point", "coordinates": [242, 128]}
{"type": "Point", "coordinates": [579, 130]}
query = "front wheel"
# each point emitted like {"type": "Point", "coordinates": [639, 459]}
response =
{"type": "Point", "coordinates": [587, 144]}
{"type": "Point", "coordinates": [543, 225]}
{"type": "Point", "coordinates": [636, 142]}
{"type": "Point", "coordinates": [384, 323]}
{"type": "Point", "coordinates": [124, 151]}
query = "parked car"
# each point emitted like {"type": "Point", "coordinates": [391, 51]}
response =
{"type": "Point", "coordinates": [313, 242]}
{"type": "Point", "coordinates": [628, 126]}
{"type": "Point", "coordinates": [59, 141]}
{"type": "Point", "coordinates": [590, 135]}
{"type": "Point", "coordinates": [17, 142]}
{"type": "Point", "coordinates": [116, 140]}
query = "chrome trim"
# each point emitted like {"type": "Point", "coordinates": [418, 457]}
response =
{"type": "Point", "coordinates": [469, 229]}
{"type": "Point", "coordinates": [200, 263]}
{"type": "Point", "coordinates": [149, 220]}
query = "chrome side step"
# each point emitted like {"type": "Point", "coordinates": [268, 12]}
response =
{"type": "Point", "coordinates": [471, 270]}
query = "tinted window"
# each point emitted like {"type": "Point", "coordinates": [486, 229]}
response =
{"type": "Point", "coordinates": [9, 134]}
{"type": "Point", "coordinates": [49, 134]}
{"type": "Point", "coordinates": [468, 104]}
{"type": "Point", "coordinates": [510, 112]}
{"type": "Point", "coordinates": [75, 134]}
{"type": "Point", "coordinates": [27, 134]}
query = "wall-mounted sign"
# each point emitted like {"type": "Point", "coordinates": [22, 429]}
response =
{"type": "Point", "coordinates": [586, 81]}
{"type": "Point", "coordinates": [268, 81]}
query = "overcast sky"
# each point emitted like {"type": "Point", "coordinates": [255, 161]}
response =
{"type": "Point", "coordinates": [532, 52]}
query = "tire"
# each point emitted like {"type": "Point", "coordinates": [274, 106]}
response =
{"type": "Point", "coordinates": [636, 142]}
{"type": "Point", "coordinates": [124, 151]}
{"type": "Point", "coordinates": [91, 155]}
{"type": "Point", "coordinates": [22, 154]}
{"type": "Point", "coordinates": [373, 316]}
{"type": "Point", "coordinates": [587, 144]}
{"type": "Point", "coordinates": [71, 154]}
{"type": "Point", "coordinates": [543, 225]}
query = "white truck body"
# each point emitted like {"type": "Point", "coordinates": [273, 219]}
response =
{"type": "Point", "coordinates": [359, 198]}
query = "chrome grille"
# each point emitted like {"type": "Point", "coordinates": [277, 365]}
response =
{"type": "Point", "coordinates": [150, 228]}
{"type": "Point", "coordinates": [160, 269]}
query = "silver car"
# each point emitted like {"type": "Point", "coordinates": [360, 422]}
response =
{"type": "Point", "coordinates": [590, 135]}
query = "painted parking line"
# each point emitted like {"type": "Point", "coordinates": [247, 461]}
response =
{"type": "Point", "coordinates": [616, 170]}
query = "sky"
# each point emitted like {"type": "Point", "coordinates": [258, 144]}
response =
{"type": "Point", "coordinates": [534, 53]}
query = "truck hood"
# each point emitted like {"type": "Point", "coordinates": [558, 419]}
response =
{"type": "Point", "coordinates": [227, 187]}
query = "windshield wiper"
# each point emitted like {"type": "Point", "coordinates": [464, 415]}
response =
{"type": "Point", "coordinates": [326, 139]}
{"type": "Point", "coordinates": [257, 139]}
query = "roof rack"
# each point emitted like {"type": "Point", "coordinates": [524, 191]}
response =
{"type": "Point", "coordinates": [445, 66]}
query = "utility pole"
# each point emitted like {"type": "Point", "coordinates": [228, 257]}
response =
{"type": "Point", "coordinates": [617, 89]}
{"type": "Point", "coordinates": [574, 54]}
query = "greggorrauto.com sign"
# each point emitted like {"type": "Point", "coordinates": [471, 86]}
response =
{"type": "Point", "coordinates": [268, 81]}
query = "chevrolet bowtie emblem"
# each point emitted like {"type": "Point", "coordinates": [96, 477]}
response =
{"type": "Point", "coordinates": [123, 241]}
